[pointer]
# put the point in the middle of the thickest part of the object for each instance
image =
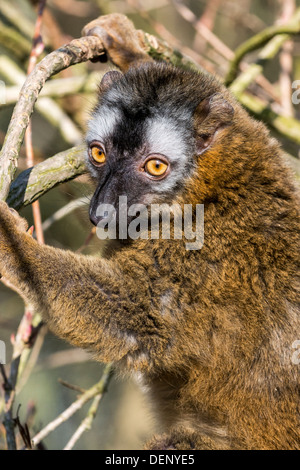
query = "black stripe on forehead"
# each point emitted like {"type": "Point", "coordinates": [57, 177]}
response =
{"type": "Point", "coordinates": [130, 131]}
{"type": "Point", "coordinates": [150, 91]}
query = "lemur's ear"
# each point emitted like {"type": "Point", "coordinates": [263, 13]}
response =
{"type": "Point", "coordinates": [211, 115]}
{"type": "Point", "coordinates": [108, 79]}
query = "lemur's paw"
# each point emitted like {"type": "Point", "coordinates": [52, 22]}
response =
{"type": "Point", "coordinates": [10, 221]}
{"type": "Point", "coordinates": [120, 39]}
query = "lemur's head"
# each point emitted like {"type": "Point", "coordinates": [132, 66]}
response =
{"type": "Point", "coordinates": [148, 130]}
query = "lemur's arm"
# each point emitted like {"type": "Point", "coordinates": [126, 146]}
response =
{"type": "Point", "coordinates": [91, 302]}
{"type": "Point", "coordinates": [120, 39]}
{"type": "Point", "coordinates": [68, 288]}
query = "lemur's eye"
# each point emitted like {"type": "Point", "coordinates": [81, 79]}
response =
{"type": "Point", "coordinates": [97, 154]}
{"type": "Point", "coordinates": [156, 167]}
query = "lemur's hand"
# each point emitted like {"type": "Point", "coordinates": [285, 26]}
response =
{"type": "Point", "coordinates": [120, 40]}
{"type": "Point", "coordinates": [10, 221]}
{"type": "Point", "coordinates": [11, 225]}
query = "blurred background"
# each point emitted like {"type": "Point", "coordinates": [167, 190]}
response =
{"type": "Point", "coordinates": [124, 418]}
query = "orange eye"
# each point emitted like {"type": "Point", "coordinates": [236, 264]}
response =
{"type": "Point", "coordinates": [156, 167]}
{"type": "Point", "coordinates": [97, 154]}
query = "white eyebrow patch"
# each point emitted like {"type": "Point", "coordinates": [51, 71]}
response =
{"type": "Point", "coordinates": [164, 137]}
{"type": "Point", "coordinates": [103, 123]}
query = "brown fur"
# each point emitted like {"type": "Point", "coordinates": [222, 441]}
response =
{"type": "Point", "coordinates": [208, 332]}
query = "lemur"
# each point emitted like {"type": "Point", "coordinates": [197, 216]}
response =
{"type": "Point", "coordinates": [208, 332]}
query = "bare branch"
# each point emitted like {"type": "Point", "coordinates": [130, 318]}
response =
{"type": "Point", "coordinates": [65, 210]}
{"type": "Point", "coordinates": [86, 424]}
{"type": "Point", "coordinates": [285, 126]}
{"type": "Point", "coordinates": [98, 389]}
{"type": "Point", "coordinates": [241, 83]}
{"type": "Point", "coordinates": [48, 108]}
{"type": "Point", "coordinates": [286, 61]}
{"type": "Point", "coordinates": [9, 396]}
{"type": "Point", "coordinates": [166, 35]}
{"type": "Point", "coordinates": [58, 88]}
{"type": "Point", "coordinates": [35, 182]}
{"type": "Point", "coordinates": [14, 41]}
{"type": "Point", "coordinates": [37, 49]}
{"type": "Point", "coordinates": [218, 45]}
{"type": "Point", "coordinates": [79, 50]}
{"type": "Point", "coordinates": [71, 386]}
{"type": "Point", "coordinates": [259, 40]}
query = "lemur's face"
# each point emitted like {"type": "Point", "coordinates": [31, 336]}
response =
{"type": "Point", "coordinates": [149, 131]}
{"type": "Point", "coordinates": [139, 145]}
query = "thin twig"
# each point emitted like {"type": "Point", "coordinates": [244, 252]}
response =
{"type": "Point", "coordinates": [26, 331]}
{"type": "Point", "coordinates": [37, 49]}
{"type": "Point", "coordinates": [286, 61]}
{"type": "Point", "coordinates": [208, 17]}
{"type": "Point", "coordinates": [259, 40]}
{"type": "Point", "coordinates": [240, 14]}
{"type": "Point", "coordinates": [86, 424]}
{"type": "Point", "coordinates": [23, 430]}
{"type": "Point", "coordinates": [88, 240]}
{"type": "Point", "coordinates": [97, 389]}
{"type": "Point", "coordinates": [64, 211]}
{"type": "Point", "coordinates": [166, 35]}
{"type": "Point", "coordinates": [71, 386]}
{"type": "Point", "coordinates": [33, 355]}
{"type": "Point", "coordinates": [241, 83]}
{"type": "Point", "coordinates": [218, 45]}
{"type": "Point", "coordinates": [202, 29]}
{"type": "Point", "coordinates": [22, 341]}
{"type": "Point", "coordinates": [9, 397]}
{"type": "Point", "coordinates": [58, 88]}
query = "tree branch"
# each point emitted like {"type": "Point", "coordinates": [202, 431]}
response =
{"type": "Point", "coordinates": [48, 108]}
{"type": "Point", "coordinates": [259, 40]}
{"type": "Point", "coordinates": [98, 389]}
{"type": "Point", "coordinates": [79, 50]}
{"type": "Point", "coordinates": [59, 87]}
{"type": "Point", "coordinates": [86, 424]}
{"type": "Point", "coordinates": [286, 126]}
{"type": "Point", "coordinates": [9, 396]}
{"type": "Point", "coordinates": [14, 41]}
{"type": "Point", "coordinates": [31, 184]}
